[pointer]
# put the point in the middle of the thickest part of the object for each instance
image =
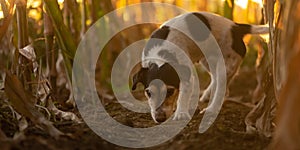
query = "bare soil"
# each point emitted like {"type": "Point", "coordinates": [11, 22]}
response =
{"type": "Point", "coordinates": [227, 132]}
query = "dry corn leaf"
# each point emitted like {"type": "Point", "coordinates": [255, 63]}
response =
{"type": "Point", "coordinates": [24, 104]}
{"type": "Point", "coordinates": [29, 53]}
{"type": "Point", "coordinates": [62, 114]}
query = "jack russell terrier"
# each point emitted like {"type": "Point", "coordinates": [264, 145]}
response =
{"type": "Point", "coordinates": [157, 55]}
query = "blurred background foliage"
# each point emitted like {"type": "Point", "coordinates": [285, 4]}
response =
{"type": "Point", "coordinates": [72, 18]}
{"type": "Point", "coordinates": [37, 36]}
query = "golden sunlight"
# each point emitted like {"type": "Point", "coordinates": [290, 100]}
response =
{"type": "Point", "coordinates": [34, 14]}
{"type": "Point", "coordinates": [1, 15]}
{"type": "Point", "coordinates": [60, 1]}
{"type": "Point", "coordinates": [242, 3]}
{"type": "Point", "coordinates": [34, 3]}
{"type": "Point", "coordinates": [259, 2]}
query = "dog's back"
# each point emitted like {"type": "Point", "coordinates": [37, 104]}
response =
{"type": "Point", "coordinates": [228, 34]}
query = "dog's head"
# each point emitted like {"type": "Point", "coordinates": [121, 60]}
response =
{"type": "Point", "coordinates": [158, 74]}
{"type": "Point", "coordinates": [160, 87]}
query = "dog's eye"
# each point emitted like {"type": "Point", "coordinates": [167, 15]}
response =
{"type": "Point", "coordinates": [170, 92]}
{"type": "Point", "coordinates": [148, 92]}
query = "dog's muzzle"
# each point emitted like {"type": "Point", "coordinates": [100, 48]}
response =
{"type": "Point", "coordinates": [158, 115]}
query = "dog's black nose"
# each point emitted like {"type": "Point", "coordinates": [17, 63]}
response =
{"type": "Point", "coordinates": [160, 116]}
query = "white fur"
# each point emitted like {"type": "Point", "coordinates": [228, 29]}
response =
{"type": "Point", "coordinates": [153, 57]}
{"type": "Point", "coordinates": [259, 29]}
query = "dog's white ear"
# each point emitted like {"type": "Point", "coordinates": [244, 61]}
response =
{"type": "Point", "coordinates": [139, 77]}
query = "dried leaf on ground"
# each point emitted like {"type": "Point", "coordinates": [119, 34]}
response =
{"type": "Point", "coordinates": [62, 114]}
{"type": "Point", "coordinates": [24, 104]}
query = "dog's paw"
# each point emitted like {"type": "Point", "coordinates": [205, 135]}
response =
{"type": "Point", "coordinates": [182, 116]}
{"type": "Point", "coordinates": [206, 109]}
{"type": "Point", "coordinates": [202, 111]}
{"type": "Point", "coordinates": [203, 98]}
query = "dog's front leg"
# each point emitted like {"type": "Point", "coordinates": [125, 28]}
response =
{"type": "Point", "coordinates": [184, 98]}
{"type": "Point", "coordinates": [209, 90]}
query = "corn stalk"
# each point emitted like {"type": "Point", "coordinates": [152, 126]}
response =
{"type": "Point", "coordinates": [287, 134]}
{"type": "Point", "coordinates": [22, 25]}
{"type": "Point", "coordinates": [260, 119]}
{"type": "Point", "coordinates": [51, 54]}
{"type": "Point", "coordinates": [64, 36]}
{"type": "Point", "coordinates": [228, 9]}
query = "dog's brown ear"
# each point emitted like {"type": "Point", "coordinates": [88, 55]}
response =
{"type": "Point", "coordinates": [139, 77]}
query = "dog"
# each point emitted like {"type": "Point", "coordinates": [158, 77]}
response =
{"type": "Point", "coordinates": [159, 59]}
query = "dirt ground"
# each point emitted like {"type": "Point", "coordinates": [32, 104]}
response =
{"type": "Point", "coordinates": [227, 132]}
